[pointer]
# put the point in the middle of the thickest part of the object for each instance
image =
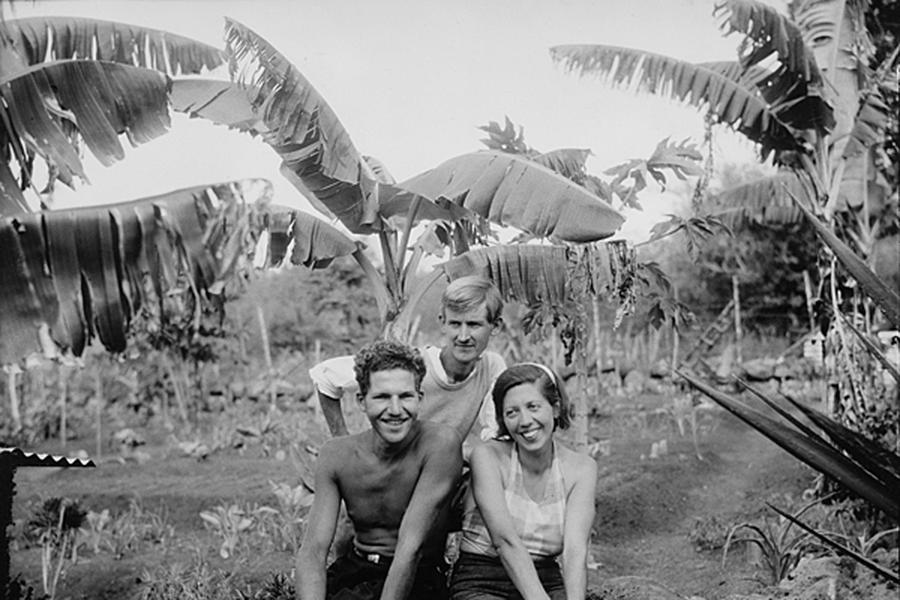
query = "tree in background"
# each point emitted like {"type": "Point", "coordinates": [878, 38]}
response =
{"type": "Point", "coordinates": [809, 89]}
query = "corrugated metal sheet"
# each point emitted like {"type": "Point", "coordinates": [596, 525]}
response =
{"type": "Point", "coordinates": [20, 458]}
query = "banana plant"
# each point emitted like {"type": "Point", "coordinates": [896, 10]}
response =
{"type": "Point", "coordinates": [802, 90]}
{"type": "Point", "coordinates": [268, 97]}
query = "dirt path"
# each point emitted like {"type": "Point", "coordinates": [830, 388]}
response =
{"type": "Point", "coordinates": [648, 509]}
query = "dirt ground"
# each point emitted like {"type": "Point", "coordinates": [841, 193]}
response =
{"type": "Point", "coordinates": [651, 511]}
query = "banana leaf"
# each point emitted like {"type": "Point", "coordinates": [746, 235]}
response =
{"type": "Point", "coordinates": [731, 102]}
{"type": "Point", "coordinates": [81, 272]}
{"type": "Point", "coordinates": [511, 190]}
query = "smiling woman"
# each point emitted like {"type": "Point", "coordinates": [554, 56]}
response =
{"type": "Point", "coordinates": [531, 499]}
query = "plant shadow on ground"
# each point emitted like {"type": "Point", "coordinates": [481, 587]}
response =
{"type": "Point", "coordinates": [649, 510]}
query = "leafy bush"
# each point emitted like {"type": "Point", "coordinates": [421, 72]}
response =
{"type": "Point", "coordinates": [781, 545]}
{"type": "Point", "coordinates": [56, 524]}
{"type": "Point", "coordinates": [17, 589]}
{"type": "Point", "coordinates": [709, 533]}
{"type": "Point", "coordinates": [194, 580]}
{"type": "Point", "coordinates": [125, 532]}
{"type": "Point", "coordinates": [278, 587]}
{"type": "Point", "coordinates": [259, 526]}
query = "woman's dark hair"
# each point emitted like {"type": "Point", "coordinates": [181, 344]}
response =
{"type": "Point", "coordinates": [546, 382]}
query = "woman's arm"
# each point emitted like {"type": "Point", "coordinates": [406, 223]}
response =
{"type": "Point", "coordinates": [489, 496]}
{"type": "Point", "coordinates": [579, 520]}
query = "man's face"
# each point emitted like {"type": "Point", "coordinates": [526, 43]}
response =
{"type": "Point", "coordinates": [466, 334]}
{"type": "Point", "coordinates": [392, 403]}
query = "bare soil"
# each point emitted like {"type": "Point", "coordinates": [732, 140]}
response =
{"type": "Point", "coordinates": [651, 512]}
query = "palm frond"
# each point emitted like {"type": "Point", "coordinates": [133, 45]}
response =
{"type": "Point", "coordinates": [39, 39]}
{"type": "Point", "coordinates": [875, 460]}
{"type": "Point", "coordinates": [814, 452]}
{"type": "Point", "coordinates": [313, 242]}
{"type": "Point", "coordinates": [525, 273]}
{"type": "Point", "coordinates": [222, 102]}
{"type": "Point", "coordinates": [732, 103]}
{"type": "Point", "coordinates": [12, 201]}
{"type": "Point", "coordinates": [762, 202]}
{"type": "Point", "coordinates": [795, 83]}
{"type": "Point", "coordinates": [318, 156]}
{"type": "Point", "coordinates": [870, 125]}
{"type": "Point", "coordinates": [510, 190]}
{"type": "Point", "coordinates": [81, 272]}
{"type": "Point", "coordinates": [568, 162]}
{"type": "Point", "coordinates": [99, 100]}
{"type": "Point", "coordinates": [887, 299]}
{"type": "Point", "coordinates": [873, 566]}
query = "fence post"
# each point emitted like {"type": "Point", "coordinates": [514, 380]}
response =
{"type": "Point", "coordinates": [738, 332]}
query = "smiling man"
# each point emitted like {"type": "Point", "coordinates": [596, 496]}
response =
{"type": "Point", "coordinates": [395, 479]}
{"type": "Point", "coordinates": [460, 372]}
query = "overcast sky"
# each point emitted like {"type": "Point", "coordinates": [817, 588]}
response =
{"type": "Point", "coordinates": [412, 79]}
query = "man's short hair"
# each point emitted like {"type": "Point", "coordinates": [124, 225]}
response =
{"type": "Point", "coordinates": [469, 292]}
{"type": "Point", "coordinates": [384, 355]}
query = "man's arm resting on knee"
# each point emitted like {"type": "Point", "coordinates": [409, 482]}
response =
{"type": "Point", "coordinates": [433, 491]}
{"type": "Point", "coordinates": [320, 526]}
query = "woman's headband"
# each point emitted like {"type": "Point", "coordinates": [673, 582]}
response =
{"type": "Point", "coordinates": [545, 369]}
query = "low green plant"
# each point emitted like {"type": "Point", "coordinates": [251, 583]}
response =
{"type": "Point", "coordinates": [127, 531]}
{"type": "Point", "coordinates": [18, 589]}
{"type": "Point", "coordinates": [781, 545]}
{"type": "Point", "coordinates": [709, 533]}
{"type": "Point", "coordinates": [277, 587]}
{"type": "Point", "coordinates": [230, 523]}
{"type": "Point", "coordinates": [190, 580]}
{"type": "Point", "coordinates": [56, 524]}
{"type": "Point", "coordinates": [827, 540]}
{"type": "Point", "coordinates": [95, 533]}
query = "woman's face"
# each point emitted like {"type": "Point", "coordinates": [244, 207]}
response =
{"type": "Point", "coordinates": [528, 416]}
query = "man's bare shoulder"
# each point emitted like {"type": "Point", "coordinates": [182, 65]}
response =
{"type": "Point", "coordinates": [439, 436]}
{"type": "Point", "coordinates": [338, 451]}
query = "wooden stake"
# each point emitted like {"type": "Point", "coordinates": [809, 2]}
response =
{"type": "Point", "coordinates": [13, 392]}
{"type": "Point", "coordinates": [267, 352]}
{"type": "Point", "coordinates": [738, 332]}
{"type": "Point", "coordinates": [63, 393]}
{"type": "Point", "coordinates": [98, 395]}
{"type": "Point", "coordinates": [598, 334]}
{"type": "Point", "coordinates": [674, 364]}
{"type": "Point", "coordinates": [807, 288]}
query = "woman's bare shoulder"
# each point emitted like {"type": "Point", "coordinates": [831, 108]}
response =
{"type": "Point", "coordinates": [491, 450]}
{"type": "Point", "coordinates": [575, 465]}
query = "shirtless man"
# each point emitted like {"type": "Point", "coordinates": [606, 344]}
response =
{"type": "Point", "coordinates": [395, 479]}
{"type": "Point", "coordinates": [460, 373]}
